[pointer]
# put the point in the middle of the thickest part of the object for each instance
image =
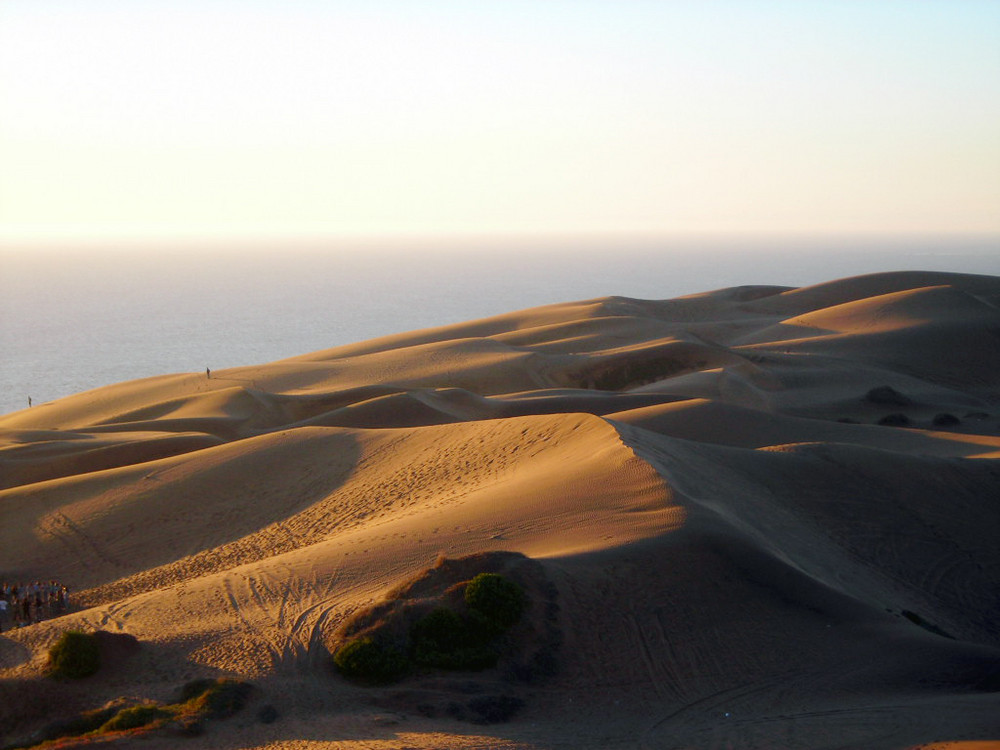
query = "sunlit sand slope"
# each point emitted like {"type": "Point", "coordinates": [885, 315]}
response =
{"type": "Point", "coordinates": [766, 517]}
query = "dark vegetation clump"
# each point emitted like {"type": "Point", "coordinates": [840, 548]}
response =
{"type": "Point", "coordinates": [946, 420]}
{"type": "Point", "coordinates": [494, 709]}
{"type": "Point", "coordinates": [496, 599]}
{"type": "Point", "coordinates": [928, 626]}
{"type": "Point", "coordinates": [894, 420]}
{"type": "Point", "coordinates": [483, 709]}
{"type": "Point", "coordinates": [84, 723]}
{"type": "Point", "coordinates": [215, 699]}
{"type": "Point", "coordinates": [446, 637]}
{"type": "Point", "coordinates": [135, 717]}
{"type": "Point", "coordinates": [451, 617]}
{"type": "Point", "coordinates": [438, 631]}
{"type": "Point", "coordinates": [369, 661]}
{"type": "Point", "coordinates": [885, 395]}
{"type": "Point", "coordinates": [197, 701]}
{"type": "Point", "coordinates": [539, 666]}
{"type": "Point", "coordinates": [75, 655]}
{"type": "Point", "coordinates": [267, 714]}
{"type": "Point", "coordinates": [447, 640]}
{"type": "Point", "coordinates": [494, 611]}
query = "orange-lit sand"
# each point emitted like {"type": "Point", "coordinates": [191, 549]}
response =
{"type": "Point", "coordinates": [732, 538]}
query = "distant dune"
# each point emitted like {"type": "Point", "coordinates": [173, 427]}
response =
{"type": "Point", "coordinates": [764, 517]}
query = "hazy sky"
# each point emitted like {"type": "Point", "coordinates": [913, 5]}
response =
{"type": "Point", "coordinates": [214, 118]}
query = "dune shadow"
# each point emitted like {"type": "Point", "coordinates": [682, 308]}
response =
{"type": "Point", "coordinates": [12, 653]}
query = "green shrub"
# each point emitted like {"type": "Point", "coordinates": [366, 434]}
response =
{"type": "Point", "coordinates": [365, 660]}
{"type": "Point", "coordinates": [215, 699]}
{"type": "Point", "coordinates": [483, 629]}
{"type": "Point", "coordinates": [88, 721]}
{"type": "Point", "coordinates": [497, 599]}
{"type": "Point", "coordinates": [267, 714]}
{"type": "Point", "coordinates": [446, 640]}
{"type": "Point", "coordinates": [385, 641]}
{"type": "Point", "coordinates": [494, 709]}
{"type": "Point", "coordinates": [894, 420]}
{"type": "Point", "coordinates": [440, 630]}
{"type": "Point", "coordinates": [199, 700]}
{"type": "Point", "coordinates": [194, 689]}
{"type": "Point", "coordinates": [462, 658]}
{"type": "Point", "coordinates": [135, 717]}
{"type": "Point", "coordinates": [74, 655]}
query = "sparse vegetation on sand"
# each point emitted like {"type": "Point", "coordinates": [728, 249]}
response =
{"type": "Point", "coordinates": [894, 420]}
{"type": "Point", "coordinates": [463, 636]}
{"type": "Point", "coordinates": [465, 614]}
{"type": "Point", "coordinates": [885, 395]}
{"type": "Point", "coordinates": [214, 699]}
{"type": "Point", "coordinates": [197, 701]}
{"type": "Point", "coordinates": [135, 716]}
{"type": "Point", "coordinates": [369, 661]}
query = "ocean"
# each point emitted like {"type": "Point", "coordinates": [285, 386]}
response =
{"type": "Point", "coordinates": [76, 318]}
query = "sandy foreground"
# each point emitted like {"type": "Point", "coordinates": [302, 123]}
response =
{"type": "Point", "coordinates": [767, 518]}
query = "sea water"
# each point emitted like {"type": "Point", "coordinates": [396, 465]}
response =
{"type": "Point", "coordinates": [75, 318]}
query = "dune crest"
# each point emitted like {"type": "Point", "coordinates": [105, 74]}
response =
{"type": "Point", "coordinates": [764, 517]}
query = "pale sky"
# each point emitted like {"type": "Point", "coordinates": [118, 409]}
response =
{"type": "Point", "coordinates": [216, 118]}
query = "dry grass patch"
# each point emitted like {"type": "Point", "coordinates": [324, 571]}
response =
{"type": "Point", "coordinates": [197, 702]}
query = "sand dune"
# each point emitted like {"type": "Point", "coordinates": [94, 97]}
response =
{"type": "Point", "coordinates": [765, 517]}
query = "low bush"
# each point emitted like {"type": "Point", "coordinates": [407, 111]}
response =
{"type": "Point", "coordinates": [894, 420]}
{"type": "Point", "coordinates": [83, 723]}
{"type": "Point", "coordinates": [194, 689]}
{"type": "Point", "coordinates": [928, 626]}
{"type": "Point", "coordinates": [74, 655]}
{"type": "Point", "coordinates": [471, 658]}
{"type": "Point", "coordinates": [446, 640]}
{"type": "Point", "coordinates": [267, 714]}
{"type": "Point", "coordinates": [365, 660]}
{"type": "Point", "coordinates": [215, 699]}
{"type": "Point", "coordinates": [887, 396]}
{"type": "Point", "coordinates": [494, 709]}
{"type": "Point", "coordinates": [135, 717]}
{"type": "Point", "coordinates": [946, 420]}
{"type": "Point", "coordinates": [498, 599]}
{"type": "Point", "coordinates": [462, 633]}
{"type": "Point", "coordinates": [440, 630]}
{"type": "Point", "coordinates": [198, 700]}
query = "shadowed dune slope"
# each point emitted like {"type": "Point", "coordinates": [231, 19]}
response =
{"type": "Point", "coordinates": [767, 517]}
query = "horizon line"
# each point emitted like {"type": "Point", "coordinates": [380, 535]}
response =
{"type": "Point", "coordinates": [17, 241]}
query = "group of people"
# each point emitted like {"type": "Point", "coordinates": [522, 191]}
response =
{"type": "Point", "coordinates": [24, 603]}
